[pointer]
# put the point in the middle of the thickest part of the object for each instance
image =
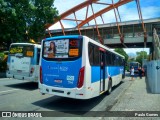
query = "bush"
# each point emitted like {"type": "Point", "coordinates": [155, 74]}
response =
{"type": "Point", "coordinates": [3, 66]}
{"type": "Point", "coordinates": [3, 62]}
{"type": "Point", "coordinates": [1, 56]}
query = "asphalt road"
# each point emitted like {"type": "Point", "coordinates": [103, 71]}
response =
{"type": "Point", "coordinates": [17, 95]}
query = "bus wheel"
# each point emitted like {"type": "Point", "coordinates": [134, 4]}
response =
{"type": "Point", "coordinates": [109, 87]}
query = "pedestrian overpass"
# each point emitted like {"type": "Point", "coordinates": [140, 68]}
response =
{"type": "Point", "coordinates": [132, 31]}
{"type": "Point", "coordinates": [126, 34]}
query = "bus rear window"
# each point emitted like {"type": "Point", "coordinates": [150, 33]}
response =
{"type": "Point", "coordinates": [133, 64]}
{"type": "Point", "coordinates": [22, 50]}
{"type": "Point", "coordinates": [63, 48]}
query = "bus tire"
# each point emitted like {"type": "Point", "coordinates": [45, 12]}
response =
{"type": "Point", "coordinates": [109, 87]}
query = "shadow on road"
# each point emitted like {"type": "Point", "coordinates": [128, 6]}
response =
{"type": "Point", "coordinates": [114, 87]}
{"type": "Point", "coordinates": [71, 106]}
{"type": "Point", "coordinates": [68, 105]}
{"type": "Point", "coordinates": [25, 86]}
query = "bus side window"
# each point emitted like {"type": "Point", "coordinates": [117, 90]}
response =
{"type": "Point", "coordinates": [91, 53]}
{"type": "Point", "coordinates": [118, 60]}
{"type": "Point", "coordinates": [108, 58]}
{"type": "Point", "coordinates": [96, 56]}
{"type": "Point", "coordinates": [113, 59]}
{"type": "Point", "coordinates": [38, 55]}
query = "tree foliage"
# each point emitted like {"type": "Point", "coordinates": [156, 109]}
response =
{"type": "Point", "coordinates": [122, 52]}
{"type": "Point", "coordinates": [140, 56]}
{"type": "Point", "coordinates": [21, 20]}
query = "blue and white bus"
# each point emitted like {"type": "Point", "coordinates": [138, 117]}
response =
{"type": "Point", "coordinates": [80, 68]}
{"type": "Point", "coordinates": [23, 61]}
{"type": "Point", "coordinates": [136, 66]}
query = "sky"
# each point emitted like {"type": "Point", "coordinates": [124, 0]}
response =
{"type": "Point", "coordinates": [149, 8]}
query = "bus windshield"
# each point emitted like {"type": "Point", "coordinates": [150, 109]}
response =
{"type": "Point", "coordinates": [62, 49]}
{"type": "Point", "coordinates": [22, 50]}
{"type": "Point", "coordinates": [133, 64]}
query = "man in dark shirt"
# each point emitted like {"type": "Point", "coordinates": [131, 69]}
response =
{"type": "Point", "coordinates": [140, 72]}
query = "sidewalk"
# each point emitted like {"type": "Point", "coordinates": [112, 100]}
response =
{"type": "Point", "coordinates": [138, 98]}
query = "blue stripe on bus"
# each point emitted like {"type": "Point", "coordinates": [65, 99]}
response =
{"type": "Point", "coordinates": [61, 74]}
{"type": "Point", "coordinates": [95, 74]}
{"type": "Point", "coordinates": [109, 71]}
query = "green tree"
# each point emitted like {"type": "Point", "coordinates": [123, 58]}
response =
{"type": "Point", "coordinates": [122, 52]}
{"type": "Point", "coordinates": [7, 15]}
{"type": "Point", "coordinates": [140, 56]}
{"type": "Point", "coordinates": [44, 12]}
{"type": "Point", "coordinates": [25, 19]}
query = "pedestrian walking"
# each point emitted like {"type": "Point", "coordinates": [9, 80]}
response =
{"type": "Point", "coordinates": [132, 73]}
{"type": "Point", "coordinates": [140, 71]}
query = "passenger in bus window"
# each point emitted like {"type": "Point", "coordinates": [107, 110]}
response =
{"type": "Point", "coordinates": [51, 50]}
{"type": "Point", "coordinates": [132, 73]}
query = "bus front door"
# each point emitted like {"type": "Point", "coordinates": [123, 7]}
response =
{"type": "Point", "coordinates": [102, 72]}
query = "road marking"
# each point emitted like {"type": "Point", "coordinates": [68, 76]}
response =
{"type": "Point", "coordinates": [5, 79]}
{"type": "Point", "coordinates": [8, 91]}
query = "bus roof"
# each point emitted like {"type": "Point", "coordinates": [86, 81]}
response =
{"type": "Point", "coordinates": [64, 37]}
{"type": "Point", "coordinates": [37, 45]}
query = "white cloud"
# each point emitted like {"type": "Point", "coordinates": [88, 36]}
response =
{"type": "Point", "coordinates": [127, 12]}
{"type": "Point", "coordinates": [64, 5]}
{"type": "Point", "coordinates": [134, 50]}
{"type": "Point", "coordinates": [150, 12]}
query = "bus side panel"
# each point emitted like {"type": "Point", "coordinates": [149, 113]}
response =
{"type": "Point", "coordinates": [95, 80]}
{"type": "Point", "coordinates": [35, 65]}
{"type": "Point", "coordinates": [86, 89]}
{"type": "Point", "coordinates": [106, 79]}
{"type": "Point", "coordinates": [115, 72]}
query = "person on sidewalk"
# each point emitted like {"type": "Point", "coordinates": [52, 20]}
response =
{"type": "Point", "coordinates": [140, 72]}
{"type": "Point", "coordinates": [132, 73]}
